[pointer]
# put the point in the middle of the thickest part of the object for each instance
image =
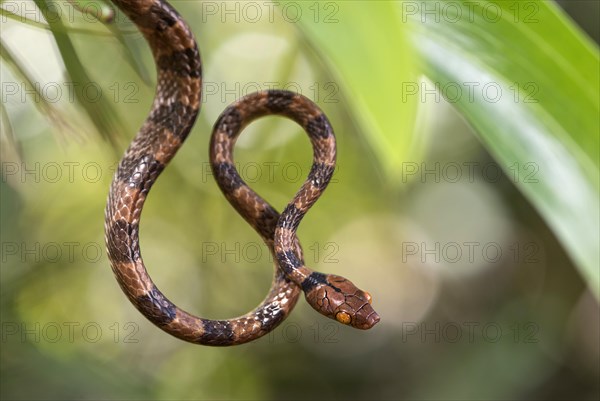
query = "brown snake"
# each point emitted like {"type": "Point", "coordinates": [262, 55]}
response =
{"type": "Point", "coordinates": [174, 111]}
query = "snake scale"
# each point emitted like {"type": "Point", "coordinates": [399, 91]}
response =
{"type": "Point", "coordinates": [173, 113]}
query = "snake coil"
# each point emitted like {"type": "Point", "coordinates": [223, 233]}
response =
{"type": "Point", "coordinates": [173, 113]}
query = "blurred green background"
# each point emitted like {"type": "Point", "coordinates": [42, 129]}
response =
{"type": "Point", "coordinates": [472, 221]}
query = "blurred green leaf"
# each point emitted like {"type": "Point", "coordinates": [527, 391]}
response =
{"type": "Point", "coordinates": [533, 101]}
{"type": "Point", "coordinates": [131, 48]}
{"type": "Point", "coordinates": [363, 44]}
{"type": "Point", "coordinates": [12, 150]}
{"type": "Point", "coordinates": [102, 12]}
{"type": "Point", "coordinates": [101, 112]}
{"type": "Point", "coordinates": [96, 8]}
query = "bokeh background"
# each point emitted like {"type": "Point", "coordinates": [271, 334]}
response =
{"type": "Point", "coordinates": [478, 297]}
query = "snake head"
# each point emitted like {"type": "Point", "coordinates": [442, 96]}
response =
{"type": "Point", "coordinates": [338, 298]}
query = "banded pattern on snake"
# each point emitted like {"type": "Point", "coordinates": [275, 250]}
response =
{"type": "Point", "coordinates": [174, 111]}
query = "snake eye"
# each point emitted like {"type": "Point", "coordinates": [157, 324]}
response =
{"type": "Point", "coordinates": [343, 317]}
{"type": "Point", "coordinates": [369, 297]}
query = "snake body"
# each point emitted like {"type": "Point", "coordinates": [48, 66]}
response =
{"type": "Point", "coordinates": [173, 113]}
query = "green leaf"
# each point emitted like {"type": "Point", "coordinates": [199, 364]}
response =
{"type": "Point", "coordinates": [364, 45]}
{"type": "Point", "coordinates": [546, 117]}
{"type": "Point", "coordinates": [132, 51]}
{"type": "Point", "coordinates": [101, 113]}
{"type": "Point", "coordinates": [520, 72]}
{"type": "Point", "coordinates": [12, 149]}
{"type": "Point", "coordinates": [94, 8]}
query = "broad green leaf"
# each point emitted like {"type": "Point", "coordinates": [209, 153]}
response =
{"type": "Point", "coordinates": [364, 45]}
{"type": "Point", "coordinates": [520, 72]}
{"type": "Point", "coordinates": [540, 110]}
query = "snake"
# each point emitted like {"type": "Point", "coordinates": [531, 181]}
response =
{"type": "Point", "coordinates": [173, 113]}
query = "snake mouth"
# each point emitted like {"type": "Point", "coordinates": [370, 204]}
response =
{"type": "Point", "coordinates": [368, 322]}
{"type": "Point", "coordinates": [372, 319]}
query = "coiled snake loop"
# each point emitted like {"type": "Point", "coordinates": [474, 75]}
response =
{"type": "Point", "coordinates": [174, 111]}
